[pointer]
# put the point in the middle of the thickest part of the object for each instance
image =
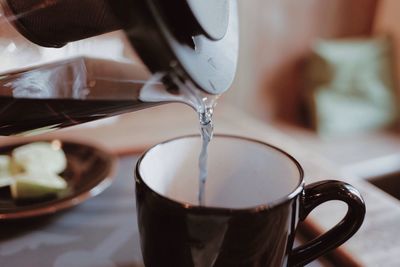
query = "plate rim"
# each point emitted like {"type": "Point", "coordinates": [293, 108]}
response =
{"type": "Point", "coordinates": [69, 201]}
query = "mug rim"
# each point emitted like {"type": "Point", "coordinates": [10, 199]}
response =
{"type": "Point", "coordinates": [222, 210]}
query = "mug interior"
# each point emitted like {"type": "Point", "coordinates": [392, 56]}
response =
{"type": "Point", "coordinates": [242, 173]}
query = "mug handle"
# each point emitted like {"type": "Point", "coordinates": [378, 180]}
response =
{"type": "Point", "coordinates": [315, 194]}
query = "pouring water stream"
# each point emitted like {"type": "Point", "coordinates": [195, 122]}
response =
{"type": "Point", "coordinates": [202, 103]}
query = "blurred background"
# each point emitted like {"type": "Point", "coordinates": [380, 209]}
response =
{"type": "Point", "coordinates": [291, 51]}
{"type": "Point", "coordinates": [324, 72]}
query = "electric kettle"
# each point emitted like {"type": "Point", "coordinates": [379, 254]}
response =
{"type": "Point", "coordinates": [65, 62]}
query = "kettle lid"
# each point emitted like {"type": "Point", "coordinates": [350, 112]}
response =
{"type": "Point", "coordinates": [198, 40]}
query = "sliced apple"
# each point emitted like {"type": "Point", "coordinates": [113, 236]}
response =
{"type": "Point", "coordinates": [36, 185]}
{"type": "Point", "coordinates": [6, 181]}
{"type": "Point", "coordinates": [5, 175]}
{"type": "Point", "coordinates": [38, 157]}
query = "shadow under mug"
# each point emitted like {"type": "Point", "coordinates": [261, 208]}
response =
{"type": "Point", "coordinates": [254, 198]}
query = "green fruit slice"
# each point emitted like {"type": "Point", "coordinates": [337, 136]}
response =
{"type": "Point", "coordinates": [5, 175]}
{"type": "Point", "coordinates": [39, 157]}
{"type": "Point", "coordinates": [6, 181]}
{"type": "Point", "coordinates": [36, 185]}
{"type": "Point", "coordinates": [4, 163]}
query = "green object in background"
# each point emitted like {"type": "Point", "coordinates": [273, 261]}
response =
{"type": "Point", "coordinates": [351, 86]}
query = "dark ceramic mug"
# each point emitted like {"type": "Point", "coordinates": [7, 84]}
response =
{"type": "Point", "coordinates": [254, 198]}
